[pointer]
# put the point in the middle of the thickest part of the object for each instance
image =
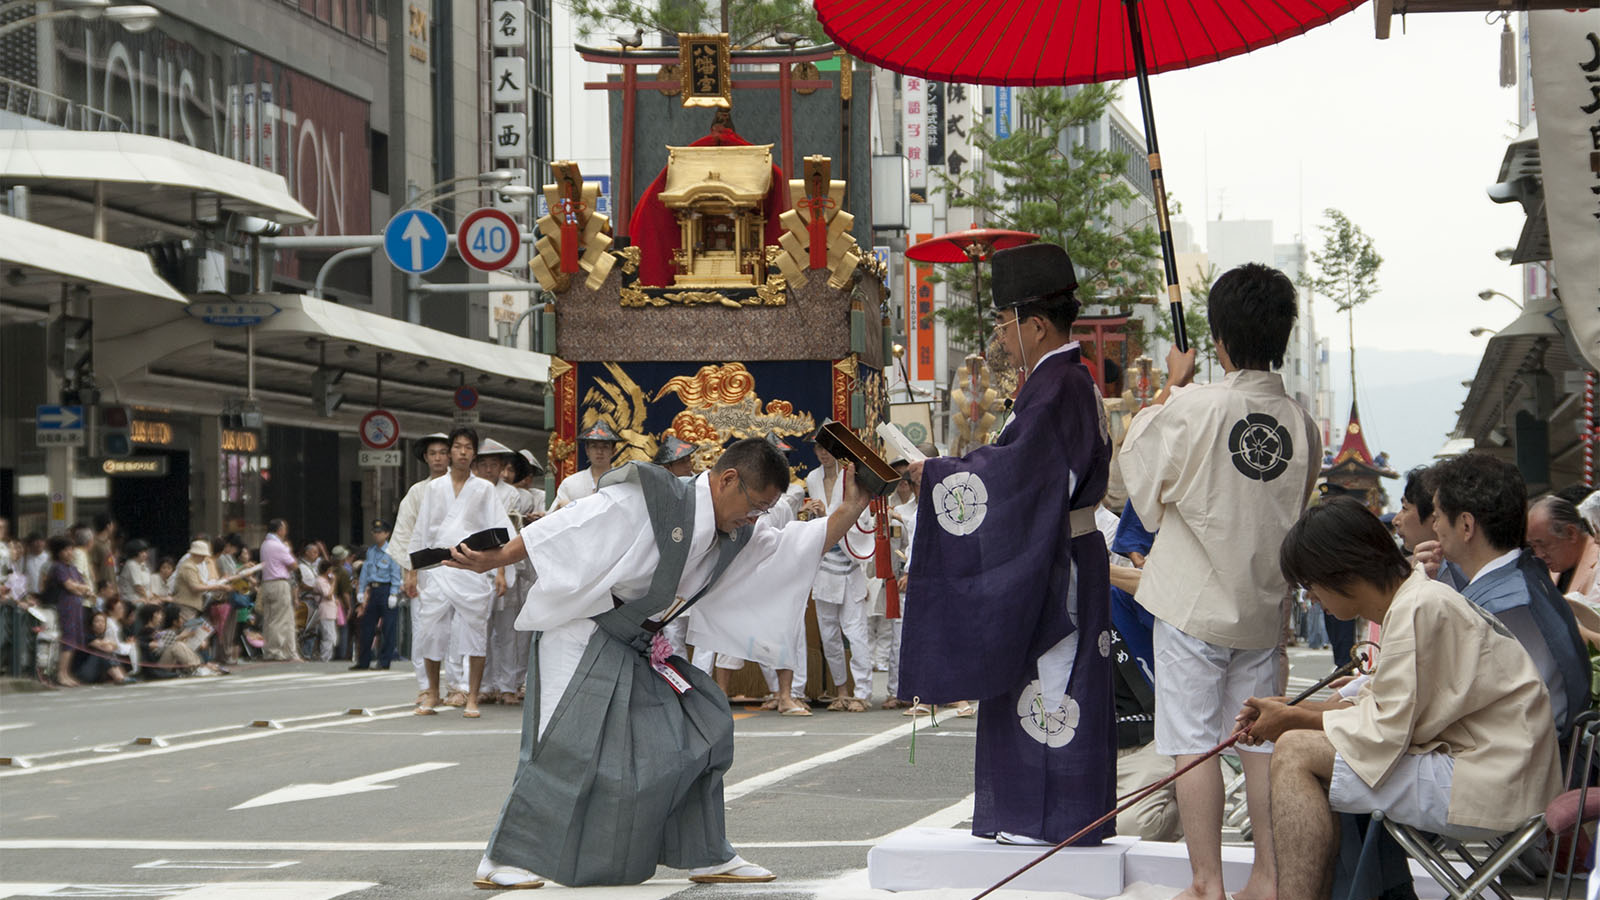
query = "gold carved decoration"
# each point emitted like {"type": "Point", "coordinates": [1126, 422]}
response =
{"type": "Point", "coordinates": [772, 293]}
{"type": "Point", "coordinates": [806, 71]}
{"type": "Point", "coordinates": [848, 367]}
{"type": "Point", "coordinates": [561, 448]}
{"type": "Point", "coordinates": [621, 403]}
{"type": "Point", "coordinates": [630, 259]}
{"type": "Point", "coordinates": [674, 73]}
{"type": "Point", "coordinates": [558, 368]}
{"type": "Point", "coordinates": [711, 386]}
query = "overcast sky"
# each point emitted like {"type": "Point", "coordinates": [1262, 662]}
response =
{"type": "Point", "coordinates": [1403, 135]}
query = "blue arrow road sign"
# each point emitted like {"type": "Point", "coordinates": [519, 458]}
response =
{"type": "Point", "coordinates": [59, 418]}
{"type": "Point", "coordinates": [415, 241]}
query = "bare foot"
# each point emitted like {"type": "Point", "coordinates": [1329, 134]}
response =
{"type": "Point", "coordinates": [788, 703]}
{"type": "Point", "coordinates": [1195, 892]}
{"type": "Point", "coordinates": [66, 680]}
{"type": "Point", "coordinates": [428, 700]}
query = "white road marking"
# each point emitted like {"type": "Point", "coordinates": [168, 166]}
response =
{"type": "Point", "coordinates": [218, 864]}
{"type": "Point", "coordinates": [358, 785]}
{"type": "Point", "coordinates": [11, 725]}
{"type": "Point", "coordinates": [239, 890]}
{"type": "Point", "coordinates": [783, 773]}
{"type": "Point", "coordinates": [253, 735]}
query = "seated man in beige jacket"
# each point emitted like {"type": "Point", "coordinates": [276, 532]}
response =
{"type": "Point", "coordinates": [1453, 733]}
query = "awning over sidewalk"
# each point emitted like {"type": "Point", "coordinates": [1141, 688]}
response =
{"type": "Point", "coordinates": [142, 174]}
{"type": "Point", "coordinates": [179, 361]}
{"type": "Point", "coordinates": [36, 261]}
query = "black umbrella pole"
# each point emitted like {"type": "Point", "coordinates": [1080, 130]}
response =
{"type": "Point", "coordinates": [1169, 258]}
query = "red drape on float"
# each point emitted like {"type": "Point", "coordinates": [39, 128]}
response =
{"type": "Point", "coordinates": [655, 230]}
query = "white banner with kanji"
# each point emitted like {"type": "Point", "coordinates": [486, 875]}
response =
{"type": "Point", "coordinates": [1566, 90]}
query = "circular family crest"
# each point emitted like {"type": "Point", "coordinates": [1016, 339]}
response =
{"type": "Point", "coordinates": [1105, 643]}
{"type": "Point", "coordinates": [960, 501]}
{"type": "Point", "coordinates": [1261, 448]}
{"type": "Point", "coordinates": [1055, 728]}
{"type": "Point", "coordinates": [915, 432]}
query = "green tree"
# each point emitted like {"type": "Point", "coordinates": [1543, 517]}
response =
{"type": "Point", "coordinates": [1041, 179]}
{"type": "Point", "coordinates": [1347, 269]}
{"type": "Point", "coordinates": [749, 23]}
{"type": "Point", "coordinates": [1195, 321]}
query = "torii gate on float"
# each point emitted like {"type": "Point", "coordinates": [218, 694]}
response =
{"type": "Point", "coordinates": [630, 85]}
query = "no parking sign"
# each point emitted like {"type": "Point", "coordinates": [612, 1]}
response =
{"type": "Point", "coordinates": [488, 239]}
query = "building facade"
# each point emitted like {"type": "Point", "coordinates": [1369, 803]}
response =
{"type": "Point", "coordinates": [305, 124]}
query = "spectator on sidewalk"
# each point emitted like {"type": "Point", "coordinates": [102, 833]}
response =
{"type": "Point", "coordinates": [276, 603]}
{"type": "Point", "coordinates": [133, 582]}
{"type": "Point", "coordinates": [1562, 540]}
{"type": "Point", "coordinates": [102, 556]}
{"type": "Point", "coordinates": [98, 662]}
{"type": "Point", "coordinates": [161, 580]}
{"type": "Point", "coordinates": [1480, 506]}
{"type": "Point", "coordinates": [327, 611]}
{"type": "Point", "coordinates": [37, 563]}
{"type": "Point", "coordinates": [196, 577]}
{"type": "Point", "coordinates": [64, 591]}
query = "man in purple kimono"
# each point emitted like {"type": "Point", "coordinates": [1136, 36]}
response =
{"type": "Point", "coordinates": [1010, 575]}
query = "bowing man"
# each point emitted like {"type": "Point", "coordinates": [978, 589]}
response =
{"type": "Point", "coordinates": [624, 746]}
{"type": "Point", "coordinates": [1010, 577]}
{"type": "Point", "coordinates": [453, 616]}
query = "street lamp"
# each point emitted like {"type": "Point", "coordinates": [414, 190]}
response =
{"type": "Point", "coordinates": [1480, 332]}
{"type": "Point", "coordinates": [1491, 293]}
{"type": "Point", "coordinates": [134, 18]}
{"type": "Point", "coordinates": [495, 179]}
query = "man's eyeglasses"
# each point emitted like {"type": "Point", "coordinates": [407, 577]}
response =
{"type": "Point", "coordinates": [754, 506]}
{"type": "Point", "coordinates": [999, 325]}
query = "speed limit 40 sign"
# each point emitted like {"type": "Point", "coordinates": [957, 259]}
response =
{"type": "Point", "coordinates": [488, 239]}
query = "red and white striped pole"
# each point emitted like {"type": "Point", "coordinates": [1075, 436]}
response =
{"type": "Point", "coordinates": [1589, 435]}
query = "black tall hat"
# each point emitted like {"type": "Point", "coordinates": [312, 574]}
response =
{"type": "Point", "coordinates": [1031, 272]}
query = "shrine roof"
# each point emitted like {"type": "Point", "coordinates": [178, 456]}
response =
{"type": "Point", "coordinates": [738, 174]}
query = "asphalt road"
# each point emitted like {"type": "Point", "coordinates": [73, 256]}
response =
{"type": "Point", "coordinates": [306, 781]}
{"type": "Point", "coordinates": [208, 806]}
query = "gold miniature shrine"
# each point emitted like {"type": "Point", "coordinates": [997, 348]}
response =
{"type": "Point", "coordinates": [717, 194]}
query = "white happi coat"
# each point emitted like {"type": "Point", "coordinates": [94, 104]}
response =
{"type": "Point", "coordinates": [605, 546]}
{"type": "Point", "coordinates": [838, 580]}
{"type": "Point", "coordinates": [446, 519]}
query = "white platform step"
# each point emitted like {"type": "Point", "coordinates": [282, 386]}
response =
{"type": "Point", "coordinates": [920, 859]}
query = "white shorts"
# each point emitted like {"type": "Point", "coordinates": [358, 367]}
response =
{"type": "Point", "coordinates": [1200, 688]}
{"type": "Point", "coordinates": [1416, 793]}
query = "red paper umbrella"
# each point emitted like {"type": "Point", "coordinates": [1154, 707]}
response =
{"type": "Point", "coordinates": [1058, 42]}
{"type": "Point", "coordinates": [973, 245]}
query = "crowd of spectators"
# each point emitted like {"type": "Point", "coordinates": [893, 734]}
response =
{"type": "Point", "coordinates": [112, 610]}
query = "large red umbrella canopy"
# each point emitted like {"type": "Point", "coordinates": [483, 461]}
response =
{"type": "Point", "coordinates": [972, 245]}
{"type": "Point", "coordinates": [1051, 42]}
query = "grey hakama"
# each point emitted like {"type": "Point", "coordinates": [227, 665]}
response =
{"type": "Point", "coordinates": [628, 772]}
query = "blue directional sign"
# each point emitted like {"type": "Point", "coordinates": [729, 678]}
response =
{"type": "Point", "coordinates": [415, 241]}
{"type": "Point", "coordinates": [56, 426]}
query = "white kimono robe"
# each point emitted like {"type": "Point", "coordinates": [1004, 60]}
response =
{"type": "Point", "coordinates": [451, 598]}
{"type": "Point", "coordinates": [605, 546]}
{"type": "Point", "coordinates": [574, 487]}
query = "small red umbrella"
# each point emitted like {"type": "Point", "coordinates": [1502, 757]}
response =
{"type": "Point", "coordinates": [1059, 42]}
{"type": "Point", "coordinates": [975, 245]}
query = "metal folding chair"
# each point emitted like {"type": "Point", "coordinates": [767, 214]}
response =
{"type": "Point", "coordinates": [1430, 852]}
{"type": "Point", "coordinates": [1567, 813]}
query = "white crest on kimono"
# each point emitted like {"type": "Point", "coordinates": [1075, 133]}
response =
{"type": "Point", "coordinates": [677, 535]}
{"type": "Point", "coordinates": [1105, 643]}
{"type": "Point", "coordinates": [960, 501]}
{"type": "Point", "coordinates": [1054, 729]}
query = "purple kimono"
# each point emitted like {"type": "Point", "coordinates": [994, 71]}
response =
{"type": "Point", "coordinates": [1010, 608]}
